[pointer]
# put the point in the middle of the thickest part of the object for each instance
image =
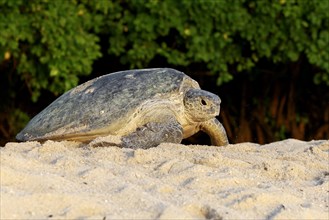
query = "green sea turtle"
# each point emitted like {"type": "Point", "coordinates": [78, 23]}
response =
{"type": "Point", "coordinates": [142, 107]}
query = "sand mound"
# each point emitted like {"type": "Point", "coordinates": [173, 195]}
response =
{"type": "Point", "coordinates": [60, 180]}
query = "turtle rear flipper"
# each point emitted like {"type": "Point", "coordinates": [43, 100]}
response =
{"type": "Point", "coordinates": [152, 134]}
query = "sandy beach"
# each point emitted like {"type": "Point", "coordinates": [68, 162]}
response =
{"type": "Point", "coordinates": [64, 180]}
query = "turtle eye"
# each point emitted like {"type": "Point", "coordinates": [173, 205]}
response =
{"type": "Point", "coordinates": [203, 102]}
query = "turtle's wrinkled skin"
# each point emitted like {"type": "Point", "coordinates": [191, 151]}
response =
{"type": "Point", "coordinates": [142, 107]}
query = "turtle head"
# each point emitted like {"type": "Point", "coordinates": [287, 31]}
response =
{"type": "Point", "coordinates": [201, 105]}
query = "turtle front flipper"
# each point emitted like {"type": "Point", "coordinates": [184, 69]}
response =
{"type": "Point", "coordinates": [152, 134]}
{"type": "Point", "coordinates": [216, 132]}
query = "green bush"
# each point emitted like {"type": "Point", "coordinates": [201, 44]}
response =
{"type": "Point", "coordinates": [52, 43]}
{"type": "Point", "coordinates": [221, 34]}
{"type": "Point", "coordinates": [48, 42]}
{"type": "Point", "coordinates": [46, 45]}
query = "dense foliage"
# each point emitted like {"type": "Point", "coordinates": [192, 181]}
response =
{"type": "Point", "coordinates": [45, 45]}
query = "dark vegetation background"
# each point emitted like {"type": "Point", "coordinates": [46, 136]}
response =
{"type": "Point", "coordinates": [267, 60]}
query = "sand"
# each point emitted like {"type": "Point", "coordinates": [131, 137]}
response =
{"type": "Point", "coordinates": [64, 180]}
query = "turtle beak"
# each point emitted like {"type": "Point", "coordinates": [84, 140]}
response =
{"type": "Point", "coordinates": [213, 104]}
